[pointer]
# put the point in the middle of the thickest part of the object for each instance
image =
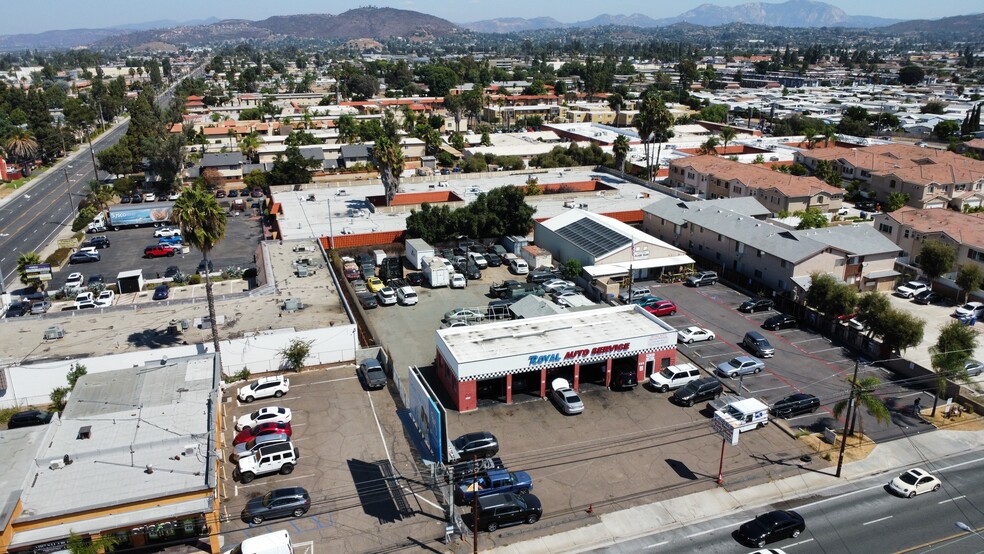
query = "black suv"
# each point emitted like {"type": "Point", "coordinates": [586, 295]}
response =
{"type": "Point", "coordinates": [99, 242]}
{"type": "Point", "coordinates": [481, 444]}
{"type": "Point", "coordinates": [796, 404]}
{"type": "Point", "coordinates": [540, 275]}
{"type": "Point", "coordinates": [290, 501]}
{"type": "Point", "coordinates": [29, 418]}
{"type": "Point", "coordinates": [698, 391]}
{"type": "Point", "coordinates": [503, 510]}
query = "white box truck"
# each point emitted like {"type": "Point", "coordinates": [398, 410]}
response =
{"type": "Point", "coordinates": [416, 251]}
{"type": "Point", "coordinates": [436, 272]}
{"type": "Point", "coordinates": [745, 413]}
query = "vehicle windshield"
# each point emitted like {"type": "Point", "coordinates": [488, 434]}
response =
{"type": "Point", "coordinates": [968, 307]}
{"type": "Point", "coordinates": [267, 498]}
{"type": "Point", "coordinates": [666, 373]}
{"type": "Point", "coordinates": [908, 478]}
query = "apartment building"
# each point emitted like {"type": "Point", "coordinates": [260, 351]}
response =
{"type": "Point", "coordinates": [910, 228]}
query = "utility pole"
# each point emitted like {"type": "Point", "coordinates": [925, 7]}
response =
{"type": "Point", "coordinates": [92, 153]}
{"type": "Point", "coordinates": [475, 507]}
{"type": "Point", "coordinates": [68, 188]}
{"type": "Point", "coordinates": [847, 420]}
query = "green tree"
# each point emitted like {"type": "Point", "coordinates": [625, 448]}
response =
{"type": "Point", "coordinates": [653, 123]}
{"type": "Point", "coordinates": [255, 178]}
{"type": "Point", "coordinates": [936, 258]}
{"type": "Point", "coordinates": [715, 113]}
{"type": "Point", "coordinates": [821, 287]}
{"type": "Point", "coordinates": [953, 348]}
{"type": "Point", "coordinates": [249, 145]}
{"type": "Point", "coordinates": [21, 146]}
{"type": "Point", "coordinates": [291, 168]}
{"type": "Point", "coordinates": [709, 147]}
{"type": "Point", "coordinates": [812, 218]}
{"type": "Point", "coordinates": [79, 545]}
{"type": "Point", "coordinates": [935, 107]}
{"type": "Point", "coordinates": [620, 148]}
{"type": "Point", "coordinates": [872, 309]}
{"type": "Point", "coordinates": [98, 195]}
{"type": "Point", "coordinates": [456, 107]}
{"type": "Point", "coordinates": [895, 201]}
{"type": "Point", "coordinates": [388, 156]}
{"type": "Point", "coordinates": [25, 259]}
{"type": "Point", "coordinates": [617, 104]}
{"type": "Point", "coordinates": [864, 396]}
{"type": "Point", "coordinates": [728, 134]}
{"type": "Point", "coordinates": [117, 159]}
{"type": "Point", "coordinates": [167, 159]}
{"type": "Point", "coordinates": [969, 278]}
{"type": "Point", "coordinates": [946, 129]}
{"type": "Point", "coordinates": [911, 75]}
{"type": "Point", "coordinates": [571, 269]}
{"type": "Point", "coordinates": [59, 395]}
{"type": "Point", "coordinates": [203, 224]}
{"type": "Point", "coordinates": [295, 353]}
{"type": "Point", "coordinates": [901, 331]}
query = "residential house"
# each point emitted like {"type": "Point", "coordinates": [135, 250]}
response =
{"type": "Point", "coordinates": [228, 164]}
{"type": "Point", "coordinates": [717, 177]}
{"type": "Point", "coordinates": [931, 178]}
{"type": "Point", "coordinates": [910, 228]}
{"type": "Point", "coordinates": [736, 240]}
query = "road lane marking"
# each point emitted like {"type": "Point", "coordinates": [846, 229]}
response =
{"type": "Point", "coordinates": [757, 391]}
{"type": "Point", "coordinates": [798, 543]}
{"type": "Point", "coordinates": [877, 520]}
{"type": "Point", "coordinates": [710, 531]}
{"type": "Point", "coordinates": [657, 544]}
{"type": "Point", "coordinates": [952, 499]}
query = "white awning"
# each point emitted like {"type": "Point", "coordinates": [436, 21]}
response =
{"type": "Point", "coordinates": [596, 271]}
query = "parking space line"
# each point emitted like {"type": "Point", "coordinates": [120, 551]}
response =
{"type": "Point", "coordinates": [709, 531]}
{"type": "Point", "coordinates": [798, 543]}
{"type": "Point", "coordinates": [807, 340]}
{"type": "Point", "coordinates": [824, 350]}
{"type": "Point", "coordinates": [758, 391]}
{"type": "Point", "coordinates": [657, 544]}
{"type": "Point", "coordinates": [731, 354]}
{"type": "Point", "coordinates": [328, 381]}
{"type": "Point", "coordinates": [287, 479]}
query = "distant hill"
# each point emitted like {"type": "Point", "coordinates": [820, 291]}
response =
{"type": "Point", "coordinates": [792, 13]}
{"type": "Point", "coordinates": [68, 38]}
{"type": "Point", "coordinates": [963, 24]}
{"type": "Point", "coordinates": [164, 24]}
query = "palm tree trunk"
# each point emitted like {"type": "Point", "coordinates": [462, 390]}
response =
{"type": "Point", "coordinates": [211, 304]}
{"type": "Point", "coordinates": [659, 152]}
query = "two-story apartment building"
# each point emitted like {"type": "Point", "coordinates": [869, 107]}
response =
{"type": "Point", "coordinates": [777, 258]}
{"type": "Point", "coordinates": [717, 177]}
{"type": "Point", "coordinates": [932, 178]}
{"type": "Point", "coordinates": [910, 228]}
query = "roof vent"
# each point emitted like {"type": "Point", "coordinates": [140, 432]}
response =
{"type": "Point", "coordinates": [85, 432]}
{"type": "Point", "coordinates": [55, 464]}
{"type": "Point", "coordinates": [150, 469]}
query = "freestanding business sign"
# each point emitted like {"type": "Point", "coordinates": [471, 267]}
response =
{"type": "Point", "coordinates": [728, 429]}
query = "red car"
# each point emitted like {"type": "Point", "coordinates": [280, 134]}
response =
{"type": "Point", "coordinates": [661, 308]}
{"type": "Point", "coordinates": [158, 251]}
{"type": "Point", "coordinates": [271, 428]}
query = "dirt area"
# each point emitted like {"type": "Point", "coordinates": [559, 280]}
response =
{"type": "Point", "coordinates": [858, 448]}
{"type": "Point", "coordinates": [963, 422]}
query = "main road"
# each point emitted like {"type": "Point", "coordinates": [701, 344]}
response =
{"type": "Point", "coordinates": [29, 221]}
{"type": "Point", "coordinates": [861, 517]}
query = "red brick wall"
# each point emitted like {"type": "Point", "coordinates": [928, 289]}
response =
{"type": "Point", "coordinates": [365, 239]}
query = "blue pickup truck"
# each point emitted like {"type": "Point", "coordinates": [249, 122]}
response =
{"type": "Point", "coordinates": [493, 481]}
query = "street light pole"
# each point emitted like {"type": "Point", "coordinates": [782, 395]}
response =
{"type": "Point", "coordinates": [964, 527]}
{"type": "Point", "coordinates": [847, 420]}
{"type": "Point", "coordinates": [92, 153]}
{"type": "Point", "coordinates": [68, 189]}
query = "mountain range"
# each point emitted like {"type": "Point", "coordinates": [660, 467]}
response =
{"type": "Point", "coordinates": [386, 23]}
{"type": "Point", "coordinates": [792, 13]}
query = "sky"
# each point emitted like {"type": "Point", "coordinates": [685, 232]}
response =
{"type": "Point", "coordinates": [43, 15]}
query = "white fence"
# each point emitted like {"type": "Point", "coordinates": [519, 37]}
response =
{"type": "Point", "coordinates": [32, 383]}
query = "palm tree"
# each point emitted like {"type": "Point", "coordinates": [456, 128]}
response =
{"type": "Point", "coordinates": [22, 146]}
{"type": "Point", "coordinates": [203, 224]}
{"type": "Point", "coordinates": [709, 147]}
{"type": "Point", "coordinates": [388, 155]}
{"type": "Point", "coordinates": [809, 136]}
{"type": "Point", "coordinates": [25, 259]}
{"type": "Point", "coordinates": [249, 145]}
{"type": "Point", "coordinates": [953, 348]}
{"type": "Point", "coordinates": [728, 134]}
{"type": "Point", "coordinates": [829, 134]}
{"type": "Point", "coordinates": [653, 123]}
{"type": "Point", "coordinates": [616, 103]}
{"type": "Point", "coordinates": [864, 396]}
{"type": "Point", "coordinates": [99, 195]}
{"type": "Point", "coordinates": [620, 148]}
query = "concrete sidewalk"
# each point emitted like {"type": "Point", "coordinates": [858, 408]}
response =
{"type": "Point", "coordinates": [640, 521]}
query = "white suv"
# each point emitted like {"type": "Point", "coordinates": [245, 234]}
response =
{"type": "Point", "coordinates": [276, 386]}
{"type": "Point", "coordinates": [674, 377]}
{"type": "Point", "coordinates": [406, 296]}
{"type": "Point", "coordinates": [911, 288]}
{"type": "Point", "coordinates": [279, 457]}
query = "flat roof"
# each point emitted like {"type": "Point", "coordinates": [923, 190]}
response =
{"type": "Point", "coordinates": [20, 447]}
{"type": "Point", "coordinates": [119, 423]}
{"type": "Point", "coordinates": [349, 214]}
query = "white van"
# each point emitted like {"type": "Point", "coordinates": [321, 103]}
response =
{"type": "Point", "coordinates": [277, 542]}
{"type": "Point", "coordinates": [518, 266]}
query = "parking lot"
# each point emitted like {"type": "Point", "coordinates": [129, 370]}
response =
{"type": "Point", "coordinates": [126, 253]}
{"type": "Point", "coordinates": [347, 438]}
{"type": "Point", "coordinates": [627, 448]}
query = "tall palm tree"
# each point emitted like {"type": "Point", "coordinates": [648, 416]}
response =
{"type": "Point", "coordinates": [99, 195]}
{"type": "Point", "coordinates": [809, 136]}
{"type": "Point", "coordinates": [22, 146]}
{"type": "Point", "coordinates": [621, 149]}
{"type": "Point", "coordinates": [829, 134]}
{"type": "Point", "coordinates": [865, 397]}
{"type": "Point", "coordinates": [388, 155]}
{"type": "Point", "coordinates": [653, 123]}
{"type": "Point", "coordinates": [616, 103]}
{"type": "Point", "coordinates": [203, 225]}
{"type": "Point", "coordinates": [953, 348]}
{"type": "Point", "coordinates": [728, 134]}
{"type": "Point", "coordinates": [249, 145]}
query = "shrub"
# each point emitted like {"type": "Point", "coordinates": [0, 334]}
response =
{"type": "Point", "coordinates": [241, 376]}
{"type": "Point", "coordinates": [58, 257]}
{"type": "Point", "coordinates": [195, 279]}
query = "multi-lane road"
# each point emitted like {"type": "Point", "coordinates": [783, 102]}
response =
{"type": "Point", "coordinates": [861, 517]}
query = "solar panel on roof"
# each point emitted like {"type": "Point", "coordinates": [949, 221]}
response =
{"type": "Point", "coordinates": [593, 237]}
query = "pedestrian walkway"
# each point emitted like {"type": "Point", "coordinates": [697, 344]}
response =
{"type": "Point", "coordinates": [643, 520]}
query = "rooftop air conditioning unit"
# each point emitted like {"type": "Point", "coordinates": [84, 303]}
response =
{"type": "Point", "coordinates": [56, 464]}
{"type": "Point", "coordinates": [189, 449]}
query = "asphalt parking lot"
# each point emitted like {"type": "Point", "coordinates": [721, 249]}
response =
{"type": "Point", "coordinates": [805, 361]}
{"type": "Point", "coordinates": [347, 439]}
{"type": "Point", "coordinates": [243, 234]}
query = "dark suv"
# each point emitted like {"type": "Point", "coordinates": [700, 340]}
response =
{"type": "Point", "coordinates": [698, 391]}
{"type": "Point", "coordinates": [99, 242]}
{"type": "Point", "coordinates": [29, 418]}
{"type": "Point", "coordinates": [290, 501]}
{"type": "Point", "coordinates": [503, 510]}
{"type": "Point", "coordinates": [481, 444]}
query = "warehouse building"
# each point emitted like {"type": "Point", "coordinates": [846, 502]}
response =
{"type": "Point", "coordinates": [496, 362]}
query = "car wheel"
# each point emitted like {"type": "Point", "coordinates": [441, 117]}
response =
{"type": "Point", "coordinates": [257, 520]}
{"type": "Point", "coordinates": [246, 477]}
{"type": "Point", "coordinates": [286, 469]}
{"type": "Point", "coordinates": [690, 403]}
{"type": "Point", "coordinates": [491, 527]}
{"type": "Point", "coordinates": [911, 494]}
{"type": "Point", "coordinates": [796, 533]}
{"type": "Point", "coordinates": [673, 312]}
{"type": "Point", "coordinates": [688, 341]}
{"type": "Point", "coordinates": [278, 394]}
{"type": "Point", "coordinates": [299, 512]}
{"type": "Point", "coordinates": [248, 399]}
{"type": "Point", "coordinates": [170, 254]}
{"type": "Point", "coordinates": [936, 487]}
{"type": "Point", "coordinates": [664, 388]}
{"type": "Point", "coordinates": [758, 369]}
{"type": "Point", "coordinates": [525, 490]}
{"type": "Point", "coordinates": [532, 519]}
